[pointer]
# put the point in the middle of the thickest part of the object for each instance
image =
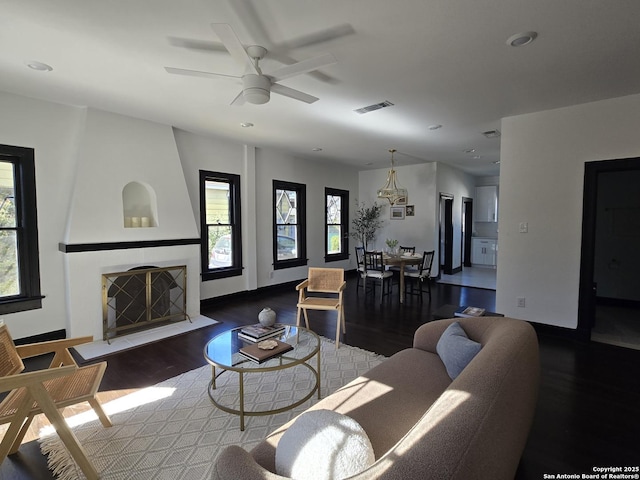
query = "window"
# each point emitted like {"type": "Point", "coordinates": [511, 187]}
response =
{"type": "Point", "coordinates": [289, 231]}
{"type": "Point", "coordinates": [221, 246]}
{"type": "Point", "coordinates": [19, 261]}
{"type": "Point", "coordinates": [336, 224]}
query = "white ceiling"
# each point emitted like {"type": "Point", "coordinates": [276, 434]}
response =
{"type": "Point", "coordinates": [439, 61]}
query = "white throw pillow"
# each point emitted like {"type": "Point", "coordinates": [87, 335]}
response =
{"type": "Point", "coordinates": [323, 444]}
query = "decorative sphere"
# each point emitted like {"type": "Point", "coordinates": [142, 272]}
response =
{"type": "Point", "coordinates": [267, 317]}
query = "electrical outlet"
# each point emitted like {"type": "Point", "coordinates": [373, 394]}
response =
{"type": "Point", "coordinates": [520, 302]}
{"type": "Point", "coordinates": [523, 227]}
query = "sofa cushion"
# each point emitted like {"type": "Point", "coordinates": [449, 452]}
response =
{"type": "Point", "coordinates": [323, 444]}
{"type": "Point", "coordinates": [456, 349]}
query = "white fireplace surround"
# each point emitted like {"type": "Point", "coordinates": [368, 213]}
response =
{"type": "Point", "coordinates": [84, 271]}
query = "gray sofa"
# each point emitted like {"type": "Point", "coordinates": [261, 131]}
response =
{"type": "Point", "coordinates": [422, 424]}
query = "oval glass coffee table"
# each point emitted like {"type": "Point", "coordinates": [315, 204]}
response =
{"type": "Point", "coordinates": [222, 352]}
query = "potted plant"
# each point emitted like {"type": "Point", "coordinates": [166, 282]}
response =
{"type": "Point", "coordinates": [366, 222]}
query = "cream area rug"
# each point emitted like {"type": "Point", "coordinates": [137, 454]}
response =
{"type": "Point", "coordinates": [172, 430]}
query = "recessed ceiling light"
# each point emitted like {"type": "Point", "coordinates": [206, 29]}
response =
{"type": "Point", "coordinates": [470, 150]}
{"type": "Point", "coordinates": [316, 149]}
{"type": "Point", "coordinates": [434, 127]}
{"type": "Point", "coordinates": [39, 66]}
{"type": "Point", "coordinates": [246, 124]}
{"type": "Point", "coordinates": [497, 162]}
{"type": "Point", "coordinates": [521, 39]}
{"type": "Point", "coordinates": [477, 157]}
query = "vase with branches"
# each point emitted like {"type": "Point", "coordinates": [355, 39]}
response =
{"type": "Point", "coordinates": [366, 222]}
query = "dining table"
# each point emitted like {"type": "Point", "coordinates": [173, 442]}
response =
{"type": "Point", "coordinates": [401, 260]}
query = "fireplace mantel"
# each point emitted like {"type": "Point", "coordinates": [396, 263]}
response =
{"type": "Point", "coordinates": [97, 247]}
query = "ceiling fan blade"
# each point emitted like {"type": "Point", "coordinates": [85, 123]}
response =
{"type": "Point", "coordinates": [303, 67]}
{"type": "Point", "coordinates": [292, 93]}
{"type": "Point", "coordinates": [194, 44]}
{"type": "Point", "coordinates": [197, 73]}
{"type": "Point", "coordinates": [233, 45]}
{"type": "Point", "coordinates": [318, 37]}
{"type": "Point", "coordinates": [239, 100]}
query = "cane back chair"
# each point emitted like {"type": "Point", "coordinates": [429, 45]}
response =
{"type": "Point", "coordinates": [46, 391]}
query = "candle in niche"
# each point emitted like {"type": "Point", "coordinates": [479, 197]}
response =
{"type": "Point", "coordinates": [144, 222]}
{"type": "Point", "coordinates": [135, 222]}
{"type": "Point", "coordinates": [127, 222]}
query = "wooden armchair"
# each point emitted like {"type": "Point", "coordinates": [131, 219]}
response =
{"type": "Point", "coordinates": [331, 283]}
{"type": "Point", "coordinates": [46, 391]}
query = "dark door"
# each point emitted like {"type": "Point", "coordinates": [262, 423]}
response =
{"type": "Point", "coordinates": [467, 229]}
{"type": "Point", "coordinates": [446, 233]}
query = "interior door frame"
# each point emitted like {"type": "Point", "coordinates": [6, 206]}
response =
{"type": "Point", "coordinates": [587, 288]}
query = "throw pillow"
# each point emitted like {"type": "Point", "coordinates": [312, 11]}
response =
{"type": "Point", "coordinates": [323, 444]}
{"type": "Point", "coordinates": [456, 350]}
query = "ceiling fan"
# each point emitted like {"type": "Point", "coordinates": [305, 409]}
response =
{"type": "Point", "coordinates": [257, 86]}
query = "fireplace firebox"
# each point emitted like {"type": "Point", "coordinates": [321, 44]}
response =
{"type": "Point", "coordinates": [142, 298]}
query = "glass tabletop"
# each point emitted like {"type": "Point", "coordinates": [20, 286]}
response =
{"type": "Point", "coordinates": [223, 350]}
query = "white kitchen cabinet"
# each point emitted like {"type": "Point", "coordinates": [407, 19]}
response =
{"type": "Point", "coordinates": [485, 205]}
{"type": "Point", "coordinates": [484, 251]}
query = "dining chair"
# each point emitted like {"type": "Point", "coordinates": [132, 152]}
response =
{"type": "Point", "coordinates": [360, 265]}
{"type": "Point", "coordinates": [374, 268]}
{"type": "Point", "coordinates": [330, 283]}
{"type": "Point", "coordinates": [417, 278]}
{"type": "Point", "coordinates": [46, 391]}
{"type": "Point", "coordinates": [411, 250]}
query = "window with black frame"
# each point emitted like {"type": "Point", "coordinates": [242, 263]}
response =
{"type": "Point", "coordinates": [221, 242]}
{"type": "Point", "coordinates": [336, 224]}
{"type": "Point", "coordinates": [19, 258]}
{"type": "Point", "coordinates": [289, 230]}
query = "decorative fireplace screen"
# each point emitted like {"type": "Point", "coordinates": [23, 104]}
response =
{"type": "Point", "coordinates": [142, 297]}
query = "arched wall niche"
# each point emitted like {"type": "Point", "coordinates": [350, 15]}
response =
{"type": "Point", "coordinates": [139, 205]}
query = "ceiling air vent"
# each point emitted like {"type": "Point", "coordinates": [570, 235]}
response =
{"type": "Point", "coordinates": [491, 133]}
{"type": "Point", "coordinates": [376, 106]}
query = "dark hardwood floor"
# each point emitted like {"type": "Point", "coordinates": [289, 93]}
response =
{"type": "Point", "coordinates": [588, 412]}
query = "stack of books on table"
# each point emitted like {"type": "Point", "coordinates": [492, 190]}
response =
{"type": "Point", "coordinates": [257, 332]}
{"type": "Point", "coordinates": [255, 353]}
{"type": "Point", "coordinates": [469, 312]}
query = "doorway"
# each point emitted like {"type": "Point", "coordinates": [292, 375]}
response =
{"type": "Point", "coordinates": [609, 305]}
{"type": "Point", "coordinates": [467, 230]}
{"type": "Point", "coordinates": [446, 233]}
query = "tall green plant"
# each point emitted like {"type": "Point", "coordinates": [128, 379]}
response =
{"type": "Point", "coordinates": [366, 222]}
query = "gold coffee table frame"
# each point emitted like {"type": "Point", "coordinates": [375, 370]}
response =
{"type": "Point", "coordinates": [222, 351]}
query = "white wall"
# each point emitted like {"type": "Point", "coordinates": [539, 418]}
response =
{"type": "Point", "coordinates": [258, 168]}
{"type": "Point", "coordinates": [420, 182]}
{"type": "Point", "coordinates": [541, 183]}
{"type": "Point", "coordinates": [52, 130]}
{"type": "Point", "coordinates": [424, 183]}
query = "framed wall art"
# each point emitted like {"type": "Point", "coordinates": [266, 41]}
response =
{"type": "Point", "coordinates": [397, 213]}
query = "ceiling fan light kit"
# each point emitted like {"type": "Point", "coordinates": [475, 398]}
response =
{"type": "Point", "coordinates": [256, 89]}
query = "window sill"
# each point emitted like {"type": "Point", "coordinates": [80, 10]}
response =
{"type": "Point", "coordinates": [22, 304]}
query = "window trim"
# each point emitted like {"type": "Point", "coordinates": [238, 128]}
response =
{"type": "Point", "coordinates": [30, 297]}
{"type": "Point", "coordinates": [344, 224]}
{"type": "Point", "coordinates": [301, 210]}
{"type": "Point", "coordinates": [236, 226]}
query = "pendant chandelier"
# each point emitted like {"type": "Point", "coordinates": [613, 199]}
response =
{"type": "Point", "coordinates": [391, 191]}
